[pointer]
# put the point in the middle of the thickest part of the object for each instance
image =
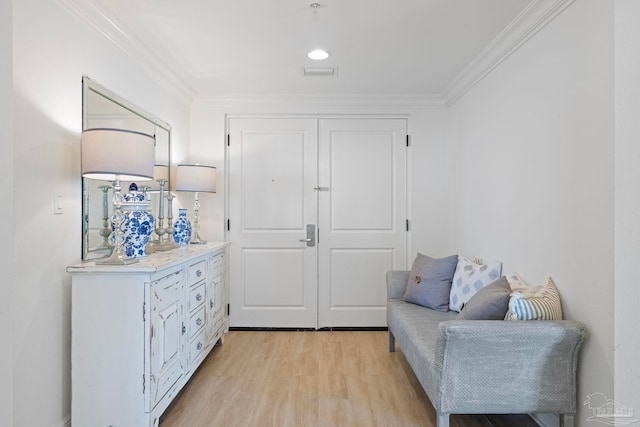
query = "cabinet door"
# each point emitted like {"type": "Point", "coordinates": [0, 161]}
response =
{"type": "Point", "coordinates": [167, 334]}
{"type": "Point", "coordinates": [211, 302]}
{"type": "Point", "coordinates": [213, 308]}
{"type": "Point", "coordinates": [215, 297]}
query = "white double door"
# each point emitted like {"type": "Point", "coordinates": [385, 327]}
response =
{"type": "Point", "coordinates": [317, 216]}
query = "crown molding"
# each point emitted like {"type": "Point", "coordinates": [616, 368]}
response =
{"type": "Point", "coordinates": [323, 100]}
{"type": "Point", "coordinates": [116, 33]}
{"type": "Point", "coordinates": [532, 19]}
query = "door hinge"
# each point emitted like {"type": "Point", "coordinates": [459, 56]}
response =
{"type": "Point", "coordinates": [228, 309]}
{"type": "Point", "coordinates": [407, 224]}
{"type": "Point", "coordinates": [144, 384]}
{"type": "Point", "coordinates": [228, 225]}
{"type": "Point", "coordinates": [144, 311]}
{"type": "Point", "coordinates": [408, 141]}
{"type": "Point", "coordinates": [228, 140]}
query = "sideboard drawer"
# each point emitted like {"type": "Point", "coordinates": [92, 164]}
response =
{"type": "Point", "coordinates": [196, 273]}
{"type": "Point", "coordinates": [196, 347]}
{"type": "Point", "coordinates": [196, 321]}
{"type": "Point", "coordinates": [196, 297]}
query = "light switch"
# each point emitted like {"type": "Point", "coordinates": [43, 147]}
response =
{"type": "Point", "coordinates": [57, 203]}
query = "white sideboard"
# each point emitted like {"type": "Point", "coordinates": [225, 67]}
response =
{"type": "Point", "coordinates": [140, 331]}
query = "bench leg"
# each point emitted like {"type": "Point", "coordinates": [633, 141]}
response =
{"type": "Point", "coordinates": [567, 420]}
{"type": "Point", "coordinates": [392, 343]}
{"type": "Point", "coordinates": [443, 420]}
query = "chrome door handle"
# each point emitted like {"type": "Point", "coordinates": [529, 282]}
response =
{"type": "Point", "coordinates": [311, 235]}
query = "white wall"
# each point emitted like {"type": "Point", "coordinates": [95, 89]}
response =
{"type": "Point", "coordinates": [6, 226]}
{"type": "Point", "coordinates": [52, 50]}
{"type": "Point", "coordinates": [533, 164]}
{"type": "Point", "coordinates": [431, 185]}
{"type": "Point", "coordinates": [427, 156]}
{"type": "Point", "coordinates": [627, 203]}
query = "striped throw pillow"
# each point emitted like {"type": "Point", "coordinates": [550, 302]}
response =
{"type": "Point", "coordinates": [540, 303]}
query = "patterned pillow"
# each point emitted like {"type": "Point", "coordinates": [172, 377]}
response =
{"type": "Point", "coordinates": [469, 278]}
{"type": "Point", "coordinates": [540, 303]}
{"type": "Point", "coordinates": [430, 282]}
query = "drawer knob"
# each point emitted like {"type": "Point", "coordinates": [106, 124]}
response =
{"type": "Point", "coordinates": [199, 297]}
{"type": "Point", "coordinates": [199, 273]}
{"type": "Point", "coordinates": [199, 346]}
{"type": "Point", "coordinates": [198, 321]}
{"type": "Point", "coordinates": [210, 304]}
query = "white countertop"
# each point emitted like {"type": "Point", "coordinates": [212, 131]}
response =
{"type": "Point", "coordinates": [151, 263]}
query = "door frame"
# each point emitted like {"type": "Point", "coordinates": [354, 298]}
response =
{"type": "Point", "coordinates": [318, 116]}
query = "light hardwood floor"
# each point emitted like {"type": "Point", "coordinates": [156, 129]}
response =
{"type": "Point", "coordinates": [323, 378]}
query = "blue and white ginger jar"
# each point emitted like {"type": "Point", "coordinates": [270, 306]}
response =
{"type": "Point", "coordinates": [138, 224]}
{"type": "Point", "coordinates": [182, 228]}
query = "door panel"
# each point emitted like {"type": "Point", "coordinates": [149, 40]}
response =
{"type": "Point", "coordinates": [167, 335]}
{"type": "Point", "coordinates": [272, 172]}
{"type": "Point", "coordinates": [368, 188]}
{"type": "Point", "coordinates": [362, 217]}
{"type": "Point", "coordinates": [273, 189]}
{"type": "Point", "coordinates": [282, 266]}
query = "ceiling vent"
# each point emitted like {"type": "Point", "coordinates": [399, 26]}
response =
{"type": "Point", "coordinates": [320, 71]}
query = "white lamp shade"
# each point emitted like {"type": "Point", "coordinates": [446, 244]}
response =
{"type": "Point", "coordinates": [110, 154]}
{"type": "Point", "coordinates": [160, 172]}
{"type": "Point", "coordinates": [196, 178]}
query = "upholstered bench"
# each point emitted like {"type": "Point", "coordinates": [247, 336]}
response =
{"type": "Point", "coordinates": [486, 366]}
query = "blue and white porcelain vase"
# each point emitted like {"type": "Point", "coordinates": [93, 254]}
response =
{"type": "Point", "coordinates": [182, 228]}
{"type": "Point", "coordinates": [138, 223]}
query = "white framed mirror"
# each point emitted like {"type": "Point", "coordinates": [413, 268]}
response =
{"type": "Point", "coordinates": [102, 108]}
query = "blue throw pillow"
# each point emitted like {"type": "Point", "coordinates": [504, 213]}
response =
{"type": "Point", "coordinates": [430, 281]}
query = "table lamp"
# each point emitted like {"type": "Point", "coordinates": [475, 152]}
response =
{"type": "Point", "coordinates": [114, 155]}
{"type": "Point", "coordinates": [197, 179]}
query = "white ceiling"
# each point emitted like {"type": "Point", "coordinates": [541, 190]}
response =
{"type": "Point", "coordinates": [253, 47]}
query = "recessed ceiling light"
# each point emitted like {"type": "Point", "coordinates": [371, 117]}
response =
{"type": "Point", "coordinates": [318, 54]}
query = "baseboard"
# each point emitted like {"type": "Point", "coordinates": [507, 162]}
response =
{"type": "Point", "coordinates": [244, 328]}
{"type": "Point", "coordinates": [546, 420]}
{"type": "Point", "coordinates": [66, 422]}
{"type": "Point", "coordinates": [252, 328]}
{"type": "Point", "coordinates": [364, 329]}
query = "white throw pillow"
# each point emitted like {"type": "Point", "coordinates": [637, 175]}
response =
{"type": "Point", "coordinates": [517, 283]}
{"type": "Point", "coordinates": [469, 278]}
